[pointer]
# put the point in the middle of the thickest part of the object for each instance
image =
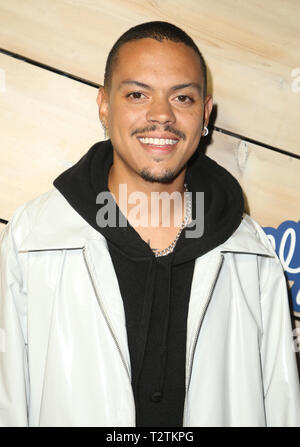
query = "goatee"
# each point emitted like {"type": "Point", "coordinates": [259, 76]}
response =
{"type": "Point", "coordinates": [166, 177]}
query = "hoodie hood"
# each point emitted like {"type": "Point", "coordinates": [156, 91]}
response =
{"type": "Point", "coordinates": [223, 203]}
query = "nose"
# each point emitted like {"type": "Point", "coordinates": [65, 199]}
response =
{"type": "Point", "coordinates": [160, 111]}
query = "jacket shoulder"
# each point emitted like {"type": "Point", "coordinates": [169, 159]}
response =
{"type": "Point", "coordinates": [262, 237]}
{"type": "Point", "coordinates": [49, 222]}
{"type": "Point", "coordinates": [249, 237]}
{"type": "Point", "coordinates": [27, 215]}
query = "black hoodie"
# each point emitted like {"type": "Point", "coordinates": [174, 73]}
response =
{"type": "Point", "coordinates": [156, 291]}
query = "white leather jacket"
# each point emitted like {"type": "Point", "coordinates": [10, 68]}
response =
{"type": "Point", "coordinates": [64, 357]}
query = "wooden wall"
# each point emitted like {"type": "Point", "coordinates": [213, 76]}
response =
{"type": "Point", "coordinates": [53, 59]}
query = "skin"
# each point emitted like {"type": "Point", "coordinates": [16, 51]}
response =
{"type": "Point", "coordinates": [155, 92]}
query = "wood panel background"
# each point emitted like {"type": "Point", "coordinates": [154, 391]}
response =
{"type": "Point", "coordinates": [53, 59]}
{"type": "Point", "coordinates": [49, 122]}
{"type": "Point", "coordinates": [251, 48]}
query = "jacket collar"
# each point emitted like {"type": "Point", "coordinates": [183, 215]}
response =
{"type": "Point", "coordinates": [57, 226]}
{"type": "Point", "coordinates": [245, 240]}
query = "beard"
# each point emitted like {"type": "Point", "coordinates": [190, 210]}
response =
{"type": "Point", "coordinates": [165, 177]}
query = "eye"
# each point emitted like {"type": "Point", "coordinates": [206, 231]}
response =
{"type": "Point", "coordinates": [184, 99]}
{"type": "Point", "coordinates": [135, 95]}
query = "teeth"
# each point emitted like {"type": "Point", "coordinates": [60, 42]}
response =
{"type": "Point", "coordinates": [158, 141]}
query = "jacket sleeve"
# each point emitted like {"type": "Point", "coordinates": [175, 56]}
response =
{"type": "Point", "coordinates": [14, 382]}
{"type": "Point", "coordinates": [278, 356]}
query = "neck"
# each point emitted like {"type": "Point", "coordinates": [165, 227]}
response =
{"type": "Point", "coordinates": [138, 197]}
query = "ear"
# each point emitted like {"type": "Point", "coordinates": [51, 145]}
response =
{"type": "Point", "coordinates": [208, 105]}
{"type": "Point", "coordinates": [102, 101]}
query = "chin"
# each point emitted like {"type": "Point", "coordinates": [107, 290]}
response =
{"type": "Point", "coordinates": [166, 176]}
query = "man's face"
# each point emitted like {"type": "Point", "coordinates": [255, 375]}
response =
{"type": "Point", "coordinates": [154, 110]}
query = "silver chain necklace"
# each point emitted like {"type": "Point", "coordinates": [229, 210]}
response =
{"type": "Point", "coordinates": [186, 220]}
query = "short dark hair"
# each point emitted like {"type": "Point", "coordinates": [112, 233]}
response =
{"type": "Point", "coordinates": [154, 30]}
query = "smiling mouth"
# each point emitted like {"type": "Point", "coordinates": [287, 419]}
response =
{"type": "Point", "coordinates": [158, 142]}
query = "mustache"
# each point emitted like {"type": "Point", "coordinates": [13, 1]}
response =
{"type": "Point", "coordinates": [167, 128]}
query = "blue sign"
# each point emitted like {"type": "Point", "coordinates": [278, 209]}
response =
{"type": "Point", "coordinates": [286, 242]}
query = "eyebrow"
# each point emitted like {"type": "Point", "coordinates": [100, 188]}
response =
{"type": "Point", "coordinates": [139, 84]}
{"type": "Point", "coordinates": [194, 85]}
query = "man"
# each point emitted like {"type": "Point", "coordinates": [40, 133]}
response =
{"type": "Point", "coordinates": [144, 325]}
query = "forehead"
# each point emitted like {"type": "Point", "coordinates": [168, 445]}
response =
{"type": "Point", "coordinates": [148, 60]}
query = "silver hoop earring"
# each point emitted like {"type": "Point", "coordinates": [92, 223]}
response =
{"type": "Point", "coordinates": [205, 131]}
